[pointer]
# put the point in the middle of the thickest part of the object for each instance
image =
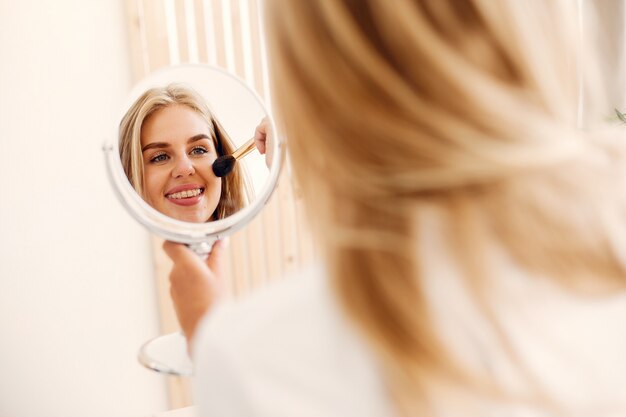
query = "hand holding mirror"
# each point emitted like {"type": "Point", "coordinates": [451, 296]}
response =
{"type": "Point", "coordinates": [174, 126]}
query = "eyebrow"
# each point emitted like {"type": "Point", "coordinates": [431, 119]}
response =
{"type": "Point", "coordinates": [161, 145]}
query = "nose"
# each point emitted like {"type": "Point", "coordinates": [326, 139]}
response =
{"type": "Point", "coordinates": [184, 167]}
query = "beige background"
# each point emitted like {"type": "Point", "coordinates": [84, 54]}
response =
{"type": "Point", "coordinates": [77, 276]}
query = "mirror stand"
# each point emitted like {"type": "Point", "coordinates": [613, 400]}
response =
{"type": "Point", "coordinates": [202, 249]}
{"type": "Point", "coordinates": [240, 112]}
{"type": "Point", "coordinates": [167, 354]}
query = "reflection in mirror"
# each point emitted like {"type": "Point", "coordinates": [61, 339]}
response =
{"type": "Point", "coordinates": [169, 140]}
{"type": "Point", "coordinates": [175, 128]}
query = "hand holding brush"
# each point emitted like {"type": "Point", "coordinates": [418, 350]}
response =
{"type": "Point", "coordinates": [262, 140]}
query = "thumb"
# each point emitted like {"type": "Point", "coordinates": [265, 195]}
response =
{"type": "Point", "coordinates": [176, 251]}
{"type": "Point", "coordinates": [216, 259]}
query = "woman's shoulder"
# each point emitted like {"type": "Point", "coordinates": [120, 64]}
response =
{"type": "Point", "coordinates": [287, 349]}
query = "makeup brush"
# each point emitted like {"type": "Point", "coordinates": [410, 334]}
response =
{"type": "Point", "coordinates": [225, 163]}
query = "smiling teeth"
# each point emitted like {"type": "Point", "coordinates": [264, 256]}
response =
{"type": "Point", "coordinates": [185, 194]}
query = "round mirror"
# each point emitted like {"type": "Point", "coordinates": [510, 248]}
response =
{"type": "Point", "coordinates": [189, 162]}
{"type": "Point", "coordinates": [165, 163]}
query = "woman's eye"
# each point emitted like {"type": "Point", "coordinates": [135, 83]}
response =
{"type": "Point", "coordinates": [199, 151]}
{"type": "Point", "coordinates": [159, 158]}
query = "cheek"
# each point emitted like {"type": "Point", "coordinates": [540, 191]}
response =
{"type": "Point", "coordinates": [214, 193]}
{"type": "Point", "coordinates": [153, 183]}
{"type": "Point", "coordinates": [214, 184]}
{"type": "Point", "coordinates": [216, 188]}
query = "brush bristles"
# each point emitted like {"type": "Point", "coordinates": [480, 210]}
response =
{"type": "Point", "coordinates": [224, 165]}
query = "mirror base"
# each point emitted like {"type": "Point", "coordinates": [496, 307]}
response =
{"type": "Point", "coordinates": [167, 354]}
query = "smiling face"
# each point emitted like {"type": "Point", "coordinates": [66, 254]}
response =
{"type": "Point", "coordinates": [178, 154]}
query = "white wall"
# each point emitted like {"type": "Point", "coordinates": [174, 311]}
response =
{"type": "Point", "coordinates": [76, 295]}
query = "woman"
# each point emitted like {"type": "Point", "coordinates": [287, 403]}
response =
{"type": "Point", "coordinates": [471, 237]}
{"type": "Point", "coordinates": [169, 140]}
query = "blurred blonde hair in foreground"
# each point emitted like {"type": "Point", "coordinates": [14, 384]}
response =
{"type": "Point", "coordinates": [464, 108]}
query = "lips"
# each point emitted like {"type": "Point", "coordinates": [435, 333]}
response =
{"type": "Point", "coordinates": [185, 195]}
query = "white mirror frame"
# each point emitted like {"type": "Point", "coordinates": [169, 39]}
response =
{"type": "Point", "coordinates": [199, 236]}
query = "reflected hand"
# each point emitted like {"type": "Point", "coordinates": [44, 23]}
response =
{"type": "Point", "coordinates": [195, 284]}
{"type": "Point", "coordinates": [264, 140]}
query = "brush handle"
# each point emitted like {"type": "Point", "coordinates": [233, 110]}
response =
{"type": "Point", "coordinates": [244, 149]}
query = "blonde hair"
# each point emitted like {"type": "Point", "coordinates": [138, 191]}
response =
{"type": "Point", "coordinates": [465, 106]}
{"type": "Point", "coordinates": [235, 193]}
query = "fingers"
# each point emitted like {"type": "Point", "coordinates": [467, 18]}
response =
{"type": "Point", "coordinates": [263, 139]}
{"type": "Point", "coordinates": [191, 287]}
{"type": "Point", "coordinates": [216, 258]}
{"type": "Point", "coordinates": [260, 137]}
{"type": "Point", "coordinates": [176, 251]}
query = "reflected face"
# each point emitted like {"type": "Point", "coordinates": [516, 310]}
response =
{"type": "Point", "coordinates": [178, 154]}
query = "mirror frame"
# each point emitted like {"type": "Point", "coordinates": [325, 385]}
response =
{"type": "Point", "coordinates": [200, 236]}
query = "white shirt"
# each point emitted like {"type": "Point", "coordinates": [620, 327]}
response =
{"type": "Point", "coordinates": [289, 351]}
{"type": "Point", "coordinates": [286, 351]}
{"type": "Point", "coordinates": [573, 345]}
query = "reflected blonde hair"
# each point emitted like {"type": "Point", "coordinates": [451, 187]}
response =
{"type": "Point", "coordinates": [465, 106]}
{"type": "Point", "coordinates": [234, 194]}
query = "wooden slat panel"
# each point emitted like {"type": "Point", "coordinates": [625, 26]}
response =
{"type": "Point", "coordinates": [227, 34]}
{"type": "Point", "coordinates": [155, 28]}
{"type": "Point", "coordinates": [238, 253]}
{"type": "Point", "coordinates": [218, 31]}
{"type": "Point", "coordinates": [139, 58]}
{"type": "Point", "coordinates": [192, 34]}
{"type": "Point", "coordinates": [181, 31]}
{"type": "Point", "coordinates": [179, 392]}
{"type": "Point", "coordinates": [255, 234]}
{"type": "Point", "coordinates": [273, 237]}
{"type": "Point", "coordinates": [246, 42]}
{"type": "Point", "coordinates": [210, 31]}
{"type": "Point", "coordinates": [237, 44]}
{"type": "Point", "coordinates": [271, 245]}
{"type": "Point", "coordinates": [201, 33]}
{"type": "Point", "coordinates": [255, 46]}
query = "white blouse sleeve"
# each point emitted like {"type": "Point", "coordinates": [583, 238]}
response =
{"type": "Point", "coordinates": [284, 351]}
{"type": "Point", "coordinates": [220, 387]}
